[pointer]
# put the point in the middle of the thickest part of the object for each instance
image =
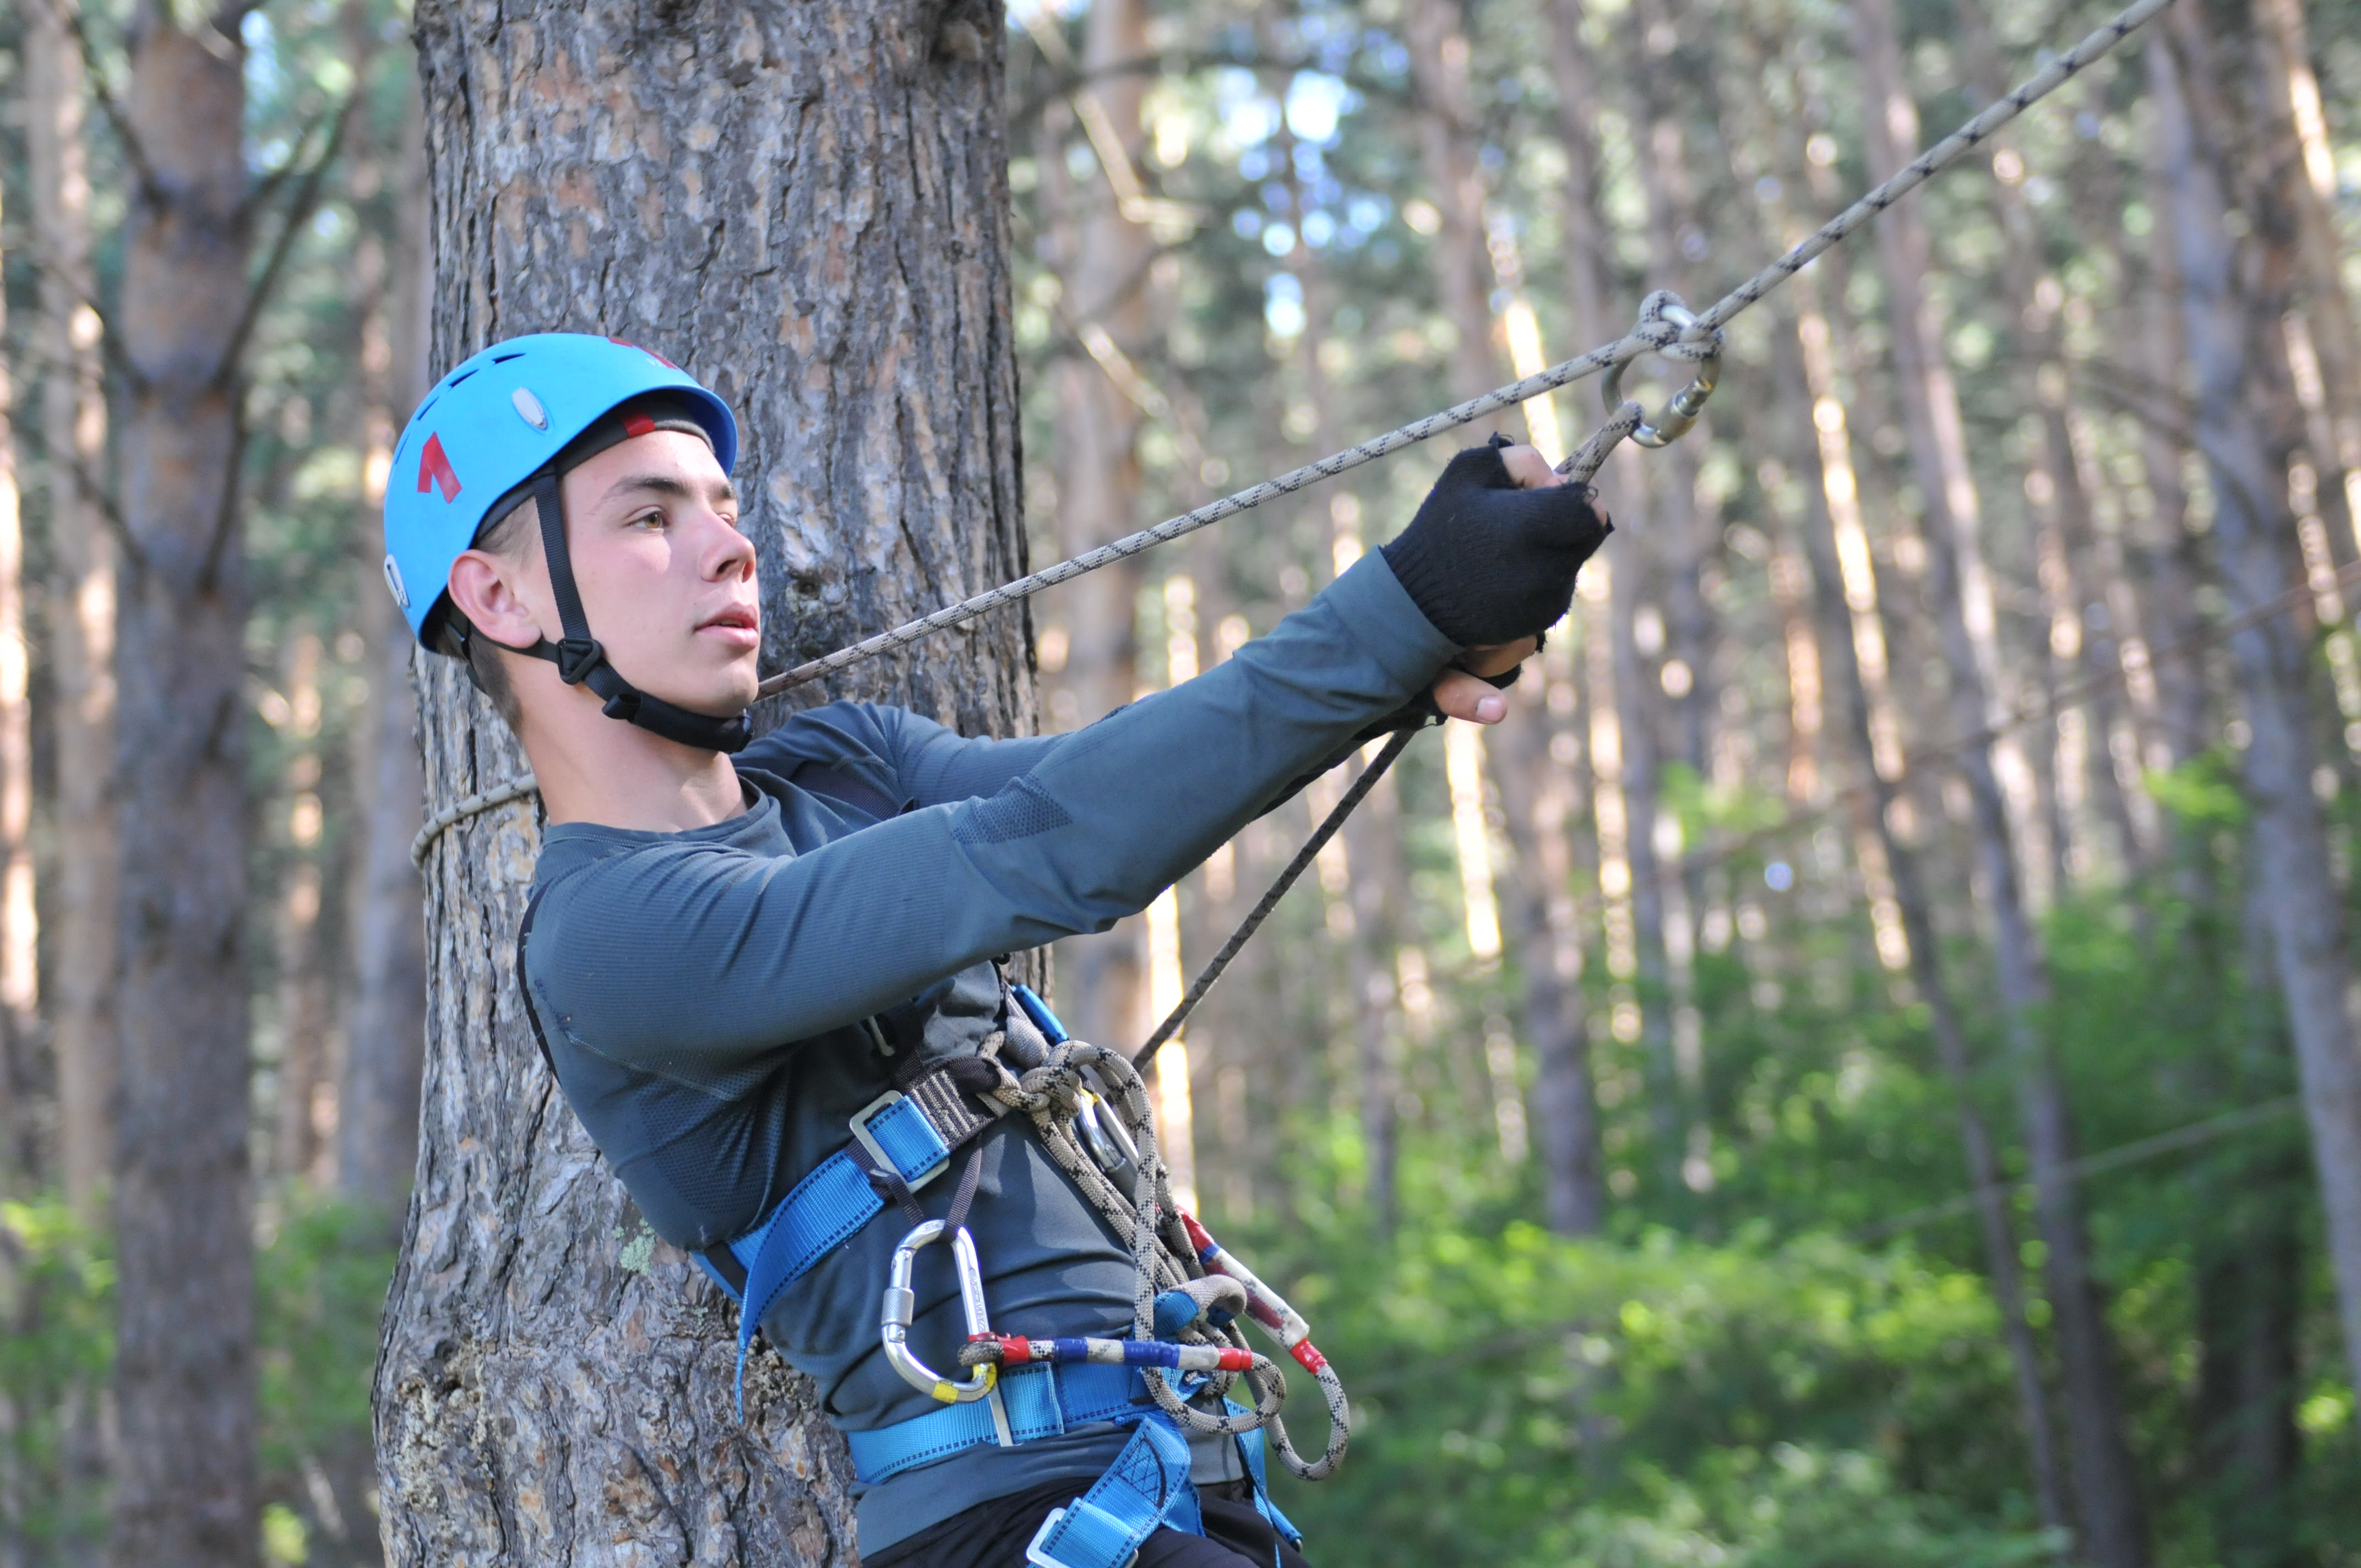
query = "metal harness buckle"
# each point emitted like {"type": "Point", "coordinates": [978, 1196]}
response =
{"type": "Point", "coordinates": [868, 1140]}
{"type": "Point", "coordinates": [1035, 1556]}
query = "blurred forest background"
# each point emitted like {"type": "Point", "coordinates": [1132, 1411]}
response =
{"type": "Point", "coordinates": [1826, 1083]}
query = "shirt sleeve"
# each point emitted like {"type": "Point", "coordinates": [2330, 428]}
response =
{"type": "Point", "coordinates": [697, 958]}
{"type": "Point", "coordinates": [938, 764]}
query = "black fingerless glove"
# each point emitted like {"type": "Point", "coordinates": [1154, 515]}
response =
{"type": "Point", "coordinates": [1488, 562]}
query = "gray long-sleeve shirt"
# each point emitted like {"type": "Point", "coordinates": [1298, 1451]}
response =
{"type": "Point", "coordinates": [702, 993]}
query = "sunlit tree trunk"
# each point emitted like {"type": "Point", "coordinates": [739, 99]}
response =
{"type": "Point", "coordinates": [385, 1025]}
{"type": "Point", "coordinates": [80, 625]}
{"type": "Point", "coordinates": [20, 1154]}
{"type": "Point", "coordinates": [1853, 653]}
{"type": "Point", "coordinates": [78, 634]}
{"type": "Point", "coordinates": [1436, 31]}
{"type": "Point", "coordinates": [302, 1001]}
{"type": "Point", "coordinates": [828, 252]}
{"type": "Point", "coordinates": [2060, 500]}
{"type": "Point", "coordinates": [184, 1478]}
{"type": "Point", "coordinates": [2300, 161]}
{"type": "Point", "coordinates": [2308, 924]}
{"type": "Point", "coordinates": [2112, 1524]}
{"type": "Point", "coordinates": [1102, 304]}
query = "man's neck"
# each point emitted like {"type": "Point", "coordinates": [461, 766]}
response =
{"type": "Point", "coordinates": [618, 775]}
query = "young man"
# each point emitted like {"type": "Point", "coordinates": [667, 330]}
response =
{"type": "Point", "coordinates": [738, 952]}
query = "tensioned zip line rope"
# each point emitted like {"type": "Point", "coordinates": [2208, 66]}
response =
{"type": "Point", "coordinates": [1664, 328]}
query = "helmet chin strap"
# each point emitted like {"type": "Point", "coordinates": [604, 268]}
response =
{"type": "Point", "coordinates": [581, 661]}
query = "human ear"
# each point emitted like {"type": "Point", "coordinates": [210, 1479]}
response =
{"type": "Point", "coordinates": [483, 588]}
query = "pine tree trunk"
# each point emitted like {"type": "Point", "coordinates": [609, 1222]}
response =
{"type": "Point", "coordinates": [1536, 800]}
{"type": "Point", "coordinates": [81, 621]}
{"type": "Point", "coordinates": [184, 1372]}
{"type": "Point", "coordinates": [1436, 31]}
{"type": "Point", "coordinates": [21, 1156]}
{"type": "Point", "coordinates": [385, 1026]}
{"type": "Point", "coordinates": [806, 207]}
{"type": "Point", "coordinates": [303, 991]}
{"type": "Point", "coordinates": [2251, 530]}
{"type": "Point", "coordinates": [1102, 977]}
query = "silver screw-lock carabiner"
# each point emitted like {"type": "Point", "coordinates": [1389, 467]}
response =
{"type": "Point", "coordinates": [1681, 409]}
{"type": "Point", "coordinates": [900, 1305]}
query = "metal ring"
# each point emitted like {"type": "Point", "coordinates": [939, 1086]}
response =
{"type": "Point", "coordinates": [1681, 409]}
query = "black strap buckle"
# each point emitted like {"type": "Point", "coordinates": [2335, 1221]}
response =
{"type": "Point", "coordinates": [576, 657]}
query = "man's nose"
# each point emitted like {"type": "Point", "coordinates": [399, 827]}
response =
{"type": "Point", "coordinates": [730, 553]}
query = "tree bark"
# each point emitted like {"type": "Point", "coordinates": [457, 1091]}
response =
{"type": "Point", "coordinates": [184, 1484]}
{"type": "Point", "coordinates": [806, 207]}
{"type": "Point", "coordinates": [80, 621]}
{"type": "Point", "coordinates": [2251, 527]}
{"type": "Point", "coordinates": [385, 1027]}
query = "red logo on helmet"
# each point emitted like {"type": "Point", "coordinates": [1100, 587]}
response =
{"type": "Point", "coordinates": [435, 468]}
{"type": "Point", "coordinates": [651, 353]}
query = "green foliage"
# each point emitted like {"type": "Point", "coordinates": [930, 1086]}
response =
{"type": "Point", "coordinates": [1529, 1399]}
{"type": "Point", "coordinates": [321, 1282]}
{"type": "Point", "coordinates": [2203, 791]}
{"type": "Point", "coordinates": [57, 1285]}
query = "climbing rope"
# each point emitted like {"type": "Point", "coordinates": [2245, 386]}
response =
{"type": "Point", "coordinates": [1665, 328]}
{"type": "Point", "coordinates": [1170, 1253]}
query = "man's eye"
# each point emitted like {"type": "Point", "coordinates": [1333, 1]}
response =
{"type": "Point", "coordinates": [648, 520]}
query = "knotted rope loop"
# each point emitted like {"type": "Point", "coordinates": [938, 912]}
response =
{"type": "Point", "coordinates": [1670, 330]}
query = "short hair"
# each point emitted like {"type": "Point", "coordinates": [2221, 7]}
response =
{"type": "Point", "coordinates": [456, 636]}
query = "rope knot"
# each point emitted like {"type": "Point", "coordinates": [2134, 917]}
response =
{"type": "Point", "coordinates": [1673, 331]}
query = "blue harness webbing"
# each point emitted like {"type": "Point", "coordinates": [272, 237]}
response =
{"type": "Point", "coordinates": [824, 1209]}
{"type": "Point", "coordinates": [1045, 1399]}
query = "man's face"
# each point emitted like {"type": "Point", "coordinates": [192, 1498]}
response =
{"type": "Point", "coordinates": [667, 581]}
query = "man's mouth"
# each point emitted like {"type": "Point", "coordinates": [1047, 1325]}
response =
{"type": "Point", "coordinates": [738, 621]}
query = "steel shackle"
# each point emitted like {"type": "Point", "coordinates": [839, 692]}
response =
{"type": "Point", "coordinates": [1681, 409]}
{"type": "Point", "coordinates": [900, 1305]}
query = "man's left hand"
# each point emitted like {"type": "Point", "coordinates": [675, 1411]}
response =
{"type": "Point", "coordinates": [1461, 692]}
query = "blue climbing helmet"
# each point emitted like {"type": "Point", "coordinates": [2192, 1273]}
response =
{"type": "Point", "coordinates": [497, 432]}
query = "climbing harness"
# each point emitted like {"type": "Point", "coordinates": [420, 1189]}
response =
{"type": "Point", "coordinates": [1169, 1380]}
{"type": "Point", "coordinates": [1695, 341]}
{"type": "Point", "coordinates": [1088, 1105]}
